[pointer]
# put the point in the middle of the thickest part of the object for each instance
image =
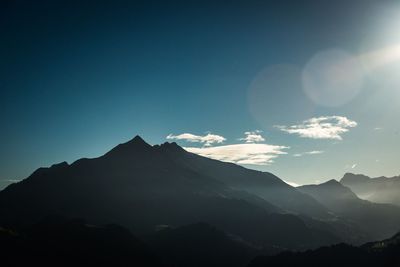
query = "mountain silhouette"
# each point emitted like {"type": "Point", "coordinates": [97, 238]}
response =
{"type": "Point", "coordinates": [384, 253]}
{"type": "Point", "coordinates": [381, 189]}
{"type": "Point", "coordinates": [140, 187]}
{"type": "Point", "coordinates": [379, 220]}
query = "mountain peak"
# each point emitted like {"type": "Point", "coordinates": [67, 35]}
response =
{"type": "Point", "coordinates": [137, 144]}
{"type": "Point", "coordinates": [329, 192]}
{"type": "Point", "coordinates": [354, 178]}
{"type": "Point", "coordinates": [137, 139]}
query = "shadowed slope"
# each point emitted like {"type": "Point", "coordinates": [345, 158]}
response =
{"type": "Point", "coordinates": [262, 184]}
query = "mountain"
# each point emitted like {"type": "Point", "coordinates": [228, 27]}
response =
{"type": "Point", "coordinates": [379, 220]}
{"type": "Point", "coordinates": [380, 189]}
{"type": "Point", "coordinates": [140, 187]}
{"type": "Point", "coordinates": [208, 247]}
{"type": "Point", "coordinates": [384, 253]}
{"type": "Point", "coordinates": [56, 241]}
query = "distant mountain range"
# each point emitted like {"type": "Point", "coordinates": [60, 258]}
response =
{"type": "Point", "coordinates": [379, 220]}
{"type": "Point", "coordinates": [167, 196]}
{"type": "Point", "coordinates": [381, 189]}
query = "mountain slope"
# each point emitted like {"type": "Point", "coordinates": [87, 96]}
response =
{"type": "Point", "coordinates": [380, 189]}
{"type": "Point", "coordinates": [262, 184]}
{"type": "Point", "coordinates": [139, 187]}
{"type": "Point", "coordinates": [379, 220]}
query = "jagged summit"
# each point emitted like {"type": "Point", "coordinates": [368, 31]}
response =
{"type": "Point", "coordinates": [170, 147]}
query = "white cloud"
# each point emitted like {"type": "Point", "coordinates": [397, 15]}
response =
{"type": "Point", "coordinates": [207, 140]}
{"type": "Point", "coordinates": [313, 152]}
{"type": "Point", "coordinates": [255, 154]}
{"type": "Point", "coordinates": [354, 165]}
{"type": "Point", "coordinates": [253, 137]}
{"type": "Point", "coordinates": [326, 127]}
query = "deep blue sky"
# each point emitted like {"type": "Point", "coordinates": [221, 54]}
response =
{"type": "Point", "coordinates": [78, 78]}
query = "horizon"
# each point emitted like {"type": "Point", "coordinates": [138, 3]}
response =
{"type": "Point", "coordinates": [307, 91]}
{"type": "Point", "coordinates": [173, 142]}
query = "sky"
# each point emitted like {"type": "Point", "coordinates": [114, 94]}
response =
{"type": "Point", "coordinates": [307, 90]}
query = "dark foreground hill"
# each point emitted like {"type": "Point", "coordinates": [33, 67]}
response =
{"type": "Point", "coordinates": [384, 253]}
{"type": "Point", "coordinates": [140, 186]}
{"type": "Point", "coordinates": [59, 242]}
{"type": "Point", "coordinates": [200, 244]}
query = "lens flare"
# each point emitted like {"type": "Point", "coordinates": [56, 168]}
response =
{"type": "Point", "coordinates": [332, 78]}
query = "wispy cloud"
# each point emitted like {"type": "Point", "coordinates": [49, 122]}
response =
{"type": "Point", "coordinates": [255, 154]}
{"type": "Point", "coordinates": [253, 137]}
{"type": "Point", "coordinates": [207, 140]}
{"type": "Point", "coordinates": [350, 166]}
{"type": "Point", "coordinates": [326, 127]}
{"type": "Point", "coordinates": [313, 152]}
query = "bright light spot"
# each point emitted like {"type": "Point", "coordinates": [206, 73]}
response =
{"type": "Point", "coordinates": [382, 57]}
{"type": "Point", "coordinates": [292, 183]}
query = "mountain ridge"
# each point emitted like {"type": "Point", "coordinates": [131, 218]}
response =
{"type": "Point", "coordinates": [141, 186]}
